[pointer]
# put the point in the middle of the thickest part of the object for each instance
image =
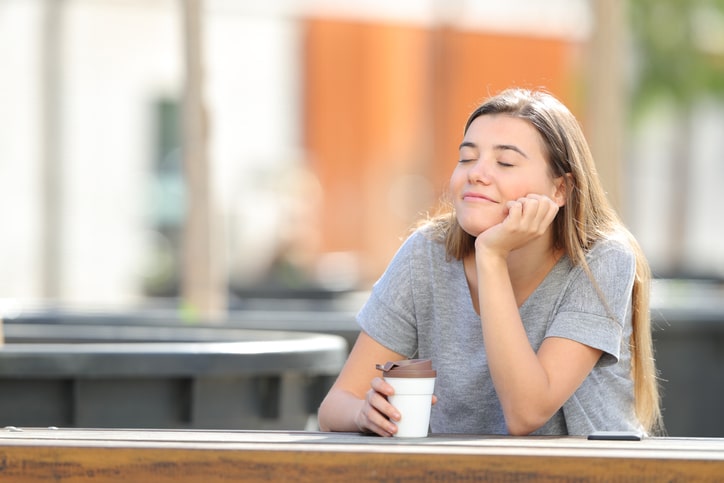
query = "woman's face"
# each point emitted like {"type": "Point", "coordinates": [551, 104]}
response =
{"type": "Point", "coordinates": [501, 159]}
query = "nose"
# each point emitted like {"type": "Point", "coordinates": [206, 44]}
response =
{"type": "Point", "coordinates": [479, 171]}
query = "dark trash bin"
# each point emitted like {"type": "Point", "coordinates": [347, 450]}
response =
{"type": "Point", "coordinates": [688, 338]}
{"type": "Point", "coordinates": [293, 316]}
{"type": "Point", "coordinates": [114, 376]}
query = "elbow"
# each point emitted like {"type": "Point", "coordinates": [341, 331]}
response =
{"type": "Point", "coordinates": [519, 428]}
{"type": "Point", "coordinates": [322, 418]}
{"type": "Point", "coordinates": [524, 422]}
{"type": "Point", "coordinates": [321, 423]}
{"type": "Point", "coordinates": [331, 414]}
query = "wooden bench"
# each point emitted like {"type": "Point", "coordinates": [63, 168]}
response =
{"type": "Point", "coordinates": [95, 455]}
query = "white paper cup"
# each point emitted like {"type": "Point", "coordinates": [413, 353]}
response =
{"type": "Point", "coordinates": [413, 399]}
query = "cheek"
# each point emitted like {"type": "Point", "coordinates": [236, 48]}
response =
{"type": "Point", "coordinates": [518, 188]}
{"type": "Point", "coordinates": [457, 179]}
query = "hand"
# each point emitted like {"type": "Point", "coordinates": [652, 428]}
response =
{"type": "Point", "coordinates": [377, 414]}
{"type": "Point", "coordinates": [527, 219]}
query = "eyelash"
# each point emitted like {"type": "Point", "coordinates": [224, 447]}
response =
{"type": "Point", "coordinates": [500, 163]}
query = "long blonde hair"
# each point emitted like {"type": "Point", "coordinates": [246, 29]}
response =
{"type": "Point", "coordinates": [586, 218]}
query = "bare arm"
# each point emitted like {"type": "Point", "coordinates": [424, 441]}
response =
{"type": "Point", "coordinates": [358, 399]}
{"type": "Point", "coordinates": [531, 386]}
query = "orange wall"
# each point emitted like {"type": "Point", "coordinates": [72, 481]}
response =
{"type": "Point", "coordinates": [471, 66]}
{"type": "Point", "coordinates": [384, 102]}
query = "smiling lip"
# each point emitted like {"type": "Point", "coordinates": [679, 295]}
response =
{"type": "Point", "coordinates": [470, 196]}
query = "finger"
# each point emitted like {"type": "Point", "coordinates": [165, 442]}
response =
{"type": "Point", "coordinates": [539, 211]}
{"type": "Point", "coordinates": [383, 390]}
{"type": "Point", "coordinates": [372, 422]}
{"type": "Point", "coordinates": [548, 210]}
{"type": "Point", "coordinates": [541, 200]}
{"type": "Point", "coordinates": [383, 387]}
{"type": "Point", "coordinates": [530, 207]}
{"type": "Point", "coordinates": [515, 209]}
{"type": "Point", "coordinates": [553, 210]}
{"type": "Point", "coordinates": [383, 427]}
{"type": "Point", "coordinates": [530, 214]}
{"type": "Point", "coordinates": [380, 414]}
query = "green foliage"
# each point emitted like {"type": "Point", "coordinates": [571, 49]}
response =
{"type": "Point", "coordinates": [678, 50]}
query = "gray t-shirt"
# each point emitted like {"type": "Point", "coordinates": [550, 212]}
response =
{"type": "Point", "coordinates": [421, 307]}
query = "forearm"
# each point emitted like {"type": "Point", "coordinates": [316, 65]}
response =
{"type": "Point", "coordinates": [519, 378]}
{"type": "Point", "coordinates": [339, 410]}
{"type": "Point", "coordinates": [358, 399]}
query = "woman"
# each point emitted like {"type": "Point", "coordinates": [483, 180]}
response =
{"type": "Point", "coordinates": [529, 295]}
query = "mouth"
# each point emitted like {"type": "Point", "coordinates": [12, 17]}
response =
{"type": "Point", "coordinates": [470, 196]}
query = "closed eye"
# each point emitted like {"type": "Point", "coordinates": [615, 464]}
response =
{"type": "Point", "coordinates": [466, 160]}
{"type": "Point", "coordinates": [505, 165]}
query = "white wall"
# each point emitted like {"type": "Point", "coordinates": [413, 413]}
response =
{"type": "Point", "coordinates": [20, 23]}
{"type": "Point", "coordinates": [651, 187]}
{"type": "Point", "coordinates": [118, 58]}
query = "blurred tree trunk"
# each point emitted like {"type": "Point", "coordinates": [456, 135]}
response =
{"type": "Point", "coordinates": [607, 96]}
{"type": "Point", "coordinates": [51, 146]}
{"type": "Point", "coordinates": [680, 193]}
{"type": "Point", "coordinates": [203, 286]}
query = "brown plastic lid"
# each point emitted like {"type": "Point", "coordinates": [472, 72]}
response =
{"type": "Point", "coordinates": [408, 368]}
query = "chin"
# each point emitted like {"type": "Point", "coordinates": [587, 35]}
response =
{"type": "Point", "coordinates": [474, 230]}
{"type": "Point", "coordinates": [475, 223]}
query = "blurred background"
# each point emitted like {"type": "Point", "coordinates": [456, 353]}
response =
{"type": "Point", "coordinates": [201, 156]}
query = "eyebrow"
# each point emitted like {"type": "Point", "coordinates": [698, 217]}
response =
{"type": "Point", "coordinates": [497, 147]}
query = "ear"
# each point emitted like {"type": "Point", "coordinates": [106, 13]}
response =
{"type": "Point", "coordinates": [562, 184]}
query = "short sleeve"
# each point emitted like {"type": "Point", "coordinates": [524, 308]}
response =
{"type": "Point", "coordinates": [388, 315]}
{"type": "Point", "coordinates": [595, 314]}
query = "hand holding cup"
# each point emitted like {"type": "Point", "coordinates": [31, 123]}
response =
{"type": "Point", "coordinates": [413, 381]}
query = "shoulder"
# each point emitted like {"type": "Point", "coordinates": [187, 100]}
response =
{"type": "Point", "coordinates": [416, 251]}
{"type": "Point", "coordinates": [609, 271]}
{"type": "Point", "coordinates": [614, 251]}
{"type": "Point", "coordinates": [610, 274]}
{"type": "Point", "coordinates": [423, 240]}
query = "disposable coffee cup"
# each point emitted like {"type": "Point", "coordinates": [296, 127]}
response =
{"type": "Point", "coordinates": [414, 382]}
